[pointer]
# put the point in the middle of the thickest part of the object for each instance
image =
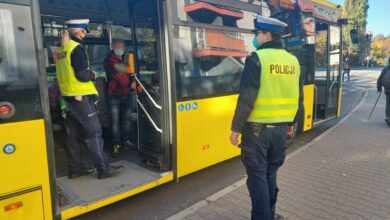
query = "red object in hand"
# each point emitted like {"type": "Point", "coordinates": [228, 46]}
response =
{"type": "Point", "coordinates": [139, 89]}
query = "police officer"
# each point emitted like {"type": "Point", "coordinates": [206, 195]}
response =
{"type": "Point", "coordinates": [270, 95]}
{"type": "Point", "coordinates": [78, 90]}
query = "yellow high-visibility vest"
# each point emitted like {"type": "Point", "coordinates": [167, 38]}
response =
{"type": "Point", "coordinates": [67, 81]}
{"type": "Point", "coordinates": [278, 97]}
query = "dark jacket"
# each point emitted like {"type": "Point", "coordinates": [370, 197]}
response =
{"type": "Point", "coordinates": [118, 83]}
{"type": "Point", "coordinates": [250, 85]}
{"type": "Point", "coordinates": [80, 63]}
{"type": "Point", "coordinates": [385, 71]}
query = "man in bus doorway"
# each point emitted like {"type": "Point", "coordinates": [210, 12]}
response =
{"type": "Point", "coordinates": [121, 91]}
{"type": "Point", "coordinates": [78, 90]}
{"type": "Point", "coordinates": [384, 81]}
{"type": "Point", "coordinates": [270, 96]}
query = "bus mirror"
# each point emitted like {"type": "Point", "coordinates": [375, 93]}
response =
{"type": "Point", "coordinates": [129, 62]}
{"type": "Point", "coordinates": [354, 36]}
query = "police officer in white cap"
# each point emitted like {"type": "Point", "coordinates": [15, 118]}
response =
{"type": "Point", "coordinates": [78, 90]}
{"type": "Point", "coordinates": [270, 96]}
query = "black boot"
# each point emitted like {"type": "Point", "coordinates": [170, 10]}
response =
{"type": "Point", "coordinates": [78, 173]}
{"type": "Point", "coordinates": [109, 172]}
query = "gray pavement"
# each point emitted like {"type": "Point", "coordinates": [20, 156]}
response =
{"type": "Point", "coordinates": [344, 175]}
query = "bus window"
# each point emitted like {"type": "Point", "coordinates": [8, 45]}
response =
{"type": "Point", "coordinates": [209, 62]}
{"type": "Point", "coordinates": [321, 51]}
{"type": "Point", "coordinates": [146, 24]}
{"type": "Point", "coordinates": [121, 32]}
{"type": "Point", "coordinates": [321, 68]}
{"type": "Point", "coordinates": [18, 66]}
{"type": "Point", "coordinates": [203, 12]}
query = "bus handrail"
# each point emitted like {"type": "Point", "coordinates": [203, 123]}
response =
{"type": "Point", "coordinates": [147, 93]}
{"type": "Point", "coordinates": [149, 117]}
{"type": "Point", "coordinates": [331, 86]}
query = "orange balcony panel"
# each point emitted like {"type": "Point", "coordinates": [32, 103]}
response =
{"type": "Point", "coordinates": [287, 4]}
{"type": "Point", "coordinates": [209, 52]}
{"type": "Point", "coordinates": [220, 40]}
{"type": "Point", "coordinates": [206, 6]}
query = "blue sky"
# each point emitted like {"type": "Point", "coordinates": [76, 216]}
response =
{"type": "Point", "coordinates": [378, 16]}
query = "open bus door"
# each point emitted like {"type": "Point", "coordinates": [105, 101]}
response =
{"type": "Point", "coordinates": [139, 24]}
{"type": "Point", "coordinates": [148, 44]}
{"type": "Point", "coordinates": [333, 76]}
{"type": "Point", "coordinates": [327, 71]}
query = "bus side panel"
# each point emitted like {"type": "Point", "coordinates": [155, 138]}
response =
{"type": "Point", "coordinates": [23, 159]}
{"type": "Point", "coordinates": [203, 129]}
{"type": "Point", "coordinates": [308, 92]}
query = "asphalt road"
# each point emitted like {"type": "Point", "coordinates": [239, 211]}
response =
{"type": "Point", "coordinates": [168, 199]}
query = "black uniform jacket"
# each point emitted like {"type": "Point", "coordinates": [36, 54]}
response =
{"type": "Point", "coordinates": [250, 85]}
{"type": "Point", "coordinates": [80, 64]}
{"type": "Point", "coordinates": [386, 70]}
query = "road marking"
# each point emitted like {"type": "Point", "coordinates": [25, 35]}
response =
{"type": "Point", "coordinates": [187, 211]}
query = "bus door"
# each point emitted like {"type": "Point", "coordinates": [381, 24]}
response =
{"type": "Point", "coordinates": [333, 85]}
{"type": "Point", "coordinates": [327, 71]}
{"type": "Point", "coordinates": [138, 23]}
{"type": "Point", "coordinates": [149, 54]}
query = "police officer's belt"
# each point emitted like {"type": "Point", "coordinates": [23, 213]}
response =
{"type": "Point", "coordinates": [257, 128]}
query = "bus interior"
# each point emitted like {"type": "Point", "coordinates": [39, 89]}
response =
{"type": "Point", "coordinates": [138, 23]}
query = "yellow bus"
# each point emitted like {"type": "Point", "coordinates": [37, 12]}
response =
{"type": "Point", "coordinates": [188, 56]}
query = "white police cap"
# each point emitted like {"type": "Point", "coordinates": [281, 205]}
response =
{"type": "Point", "coordinates": [269, 24]}
{"type": "Point", "coordinates": [78, 23]}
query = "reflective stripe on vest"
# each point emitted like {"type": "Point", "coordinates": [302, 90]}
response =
{"type": "Point", "coordinates": [67, 81]}
{"type": "Point", "coordinates": [278, 96]}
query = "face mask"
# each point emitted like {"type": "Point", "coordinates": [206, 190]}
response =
{"type": "Point", "coordinates": [256, 43]}
{"type": "Point", "coordinates": [119, 52]}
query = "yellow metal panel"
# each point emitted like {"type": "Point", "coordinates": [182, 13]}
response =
{"type": "Point", "coordinates": [339, 105]}
{"type": "Point", "coordinates": [203, 129]}
{"type": "Point", "coordinates": [308, 91]}
{"type": "Point", "coordinates": [24, 206]}
{"type": "Point", "coordinates": [327, 3]}
{"type": "Point", "coordinates": [79, 210]}
{"type": "Point", "coordinates": [27, 167]}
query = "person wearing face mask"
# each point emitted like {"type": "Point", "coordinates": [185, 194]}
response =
{"type": "Point", "coordinates": [121, 92]}
{"type": "Point", "coordinates": [78, 91]}
{"type": "Point", "coordinates": [271, 92]}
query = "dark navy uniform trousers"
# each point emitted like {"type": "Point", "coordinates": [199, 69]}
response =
{"type": "Point", "coordinates": [83, 125]}
{"type": "Point", "coordinates": [262, 156]}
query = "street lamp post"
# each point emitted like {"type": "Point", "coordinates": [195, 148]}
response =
{"type": "Point", "coordinates": [368, 38]}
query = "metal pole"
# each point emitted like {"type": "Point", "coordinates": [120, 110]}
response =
{"type": "Point", "coordinates": [375, 105]}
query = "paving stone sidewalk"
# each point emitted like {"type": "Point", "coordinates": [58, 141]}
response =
{"type": "Point", "coordinates": [344, 175]}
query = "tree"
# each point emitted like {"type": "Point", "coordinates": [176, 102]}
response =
{"type": "Point", "coordinates": [356, 10]}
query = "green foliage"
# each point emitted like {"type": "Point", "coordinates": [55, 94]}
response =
{"type": "Point", "coordinates": [356, 10]}
{"type": "Point", "coordinates": [380, 49]}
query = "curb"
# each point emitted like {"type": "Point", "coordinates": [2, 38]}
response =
{"type": "Point", "coordinates": [202, 203]}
